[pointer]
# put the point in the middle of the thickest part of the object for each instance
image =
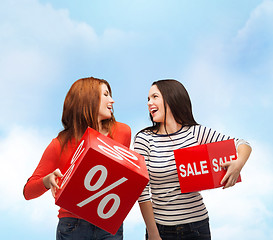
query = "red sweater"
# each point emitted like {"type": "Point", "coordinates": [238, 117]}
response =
{"type": "Point", "coordinates": [53, 158]}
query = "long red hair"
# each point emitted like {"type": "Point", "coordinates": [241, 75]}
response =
{"type": "Point", "coordinates": [81, 108]}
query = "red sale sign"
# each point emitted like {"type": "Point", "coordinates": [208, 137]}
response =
{"type": "Point", "coordinates": [199, 167]}
{"type": "Point", "coordinates": [102, 181]}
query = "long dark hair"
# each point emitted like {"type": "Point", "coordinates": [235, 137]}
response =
{"type": "Point", "coordinates": [81, 108]}
{"type": "Point", "coordinates": [177, 98]}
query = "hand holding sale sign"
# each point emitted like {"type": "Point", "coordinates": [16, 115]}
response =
{"type": "Point", "coordinates": [199, 167]}
{"type": "Point", "coordinates": [102, 181]}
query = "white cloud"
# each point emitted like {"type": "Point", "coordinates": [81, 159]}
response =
{"type": "Point", "coordinates": [41, 47]}
{"type": "Point", "coordinates": [35, 39]}
{"type": "Point", "coordinates": [29, 23]}
{"type": "Point", "coordinates": [234, 76]}
{"type": "Point", "coordinates": [20, 152]}
{"type": "Point", "coordinates": [252, 46]}
{"type": "Point", "coordinates": [30, 26]}
{"type": "Point", "coordinates": [260, 21]}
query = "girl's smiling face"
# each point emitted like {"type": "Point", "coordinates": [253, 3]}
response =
{"type": "Point", "coordinates": [156, 104]}
{"type": "Point", "coordinates": [106, 104]}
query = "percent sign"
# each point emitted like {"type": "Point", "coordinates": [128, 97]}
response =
{"type": "Point", "coordinates": [96, 186]}
{"type": "Point", "coordinates": [116, 152]}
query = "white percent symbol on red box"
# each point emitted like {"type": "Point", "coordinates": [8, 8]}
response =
{"type": "Point", "coordinates": [116, 152]}
{"type": "Point", "coordinates": [96, 186]}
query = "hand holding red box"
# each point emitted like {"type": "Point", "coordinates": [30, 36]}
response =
{"type": "Point", "coordinates": [103, 181]}
{"type": "Point", "coordinates": [199, 167]}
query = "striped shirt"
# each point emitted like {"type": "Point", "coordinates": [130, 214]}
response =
{"type": "Point", "coordinates": [170, 206]}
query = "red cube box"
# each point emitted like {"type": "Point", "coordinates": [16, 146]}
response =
{"type": "Point", "coordinates": [199, 167]}
{"type": "Point", "coordinates": [103, 181]}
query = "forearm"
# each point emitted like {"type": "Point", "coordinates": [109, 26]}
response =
{"type": "Point", "coordinates": [34, 188]}
{"type": "Point", "coordinates": [244, 152]}
{"type": "Point", "coordinates": [148, 216]}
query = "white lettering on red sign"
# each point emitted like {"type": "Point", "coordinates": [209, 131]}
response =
{"type": "Point", "coordinates": [217, 163]}
{"type": "Point", "coordinates": [201, 168]}
{"type": "Point", "coordinates": [74, 159]}
{"type": "Point", "coordinates": [118, 152]}
{"type": "Point", "coordinates": [198, 168]}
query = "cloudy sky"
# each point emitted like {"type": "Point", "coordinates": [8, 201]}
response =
{"type": "Point", "coordinates": [222, 51]}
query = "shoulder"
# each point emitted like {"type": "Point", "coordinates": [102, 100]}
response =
{"type": "Point", "coordinates": [53, 150]}
{"type": "Point", "coordinates": [54, 145]}
{"type": "Point", "coordinates": [121, 133]}
{"type": "Point", "coordinates": [200, 130]}
{"type": "Point", "coordinates": [196, 129]}
{"type": "Point", "coordinates": [120, 127]}
{"type": "Point", "coordinates": [143, 135]}
{"type": "Point", "coordinates": [142, 142]}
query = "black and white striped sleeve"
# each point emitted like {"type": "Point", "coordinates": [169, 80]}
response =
{"type": "Point", "coordinates": [206, 135]}
{"type": "Point", "coordinates": [141, 146]}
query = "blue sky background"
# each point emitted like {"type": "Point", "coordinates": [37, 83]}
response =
{"type": "Point", "coordinates": [222, 51]}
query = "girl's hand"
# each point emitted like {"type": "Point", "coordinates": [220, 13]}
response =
{"type": "Point", "coordinates": [234, 167]}
{"type": "Point", "coordinates": [51, 181]}
{"type": "Point", "coordinates": [232, 174]}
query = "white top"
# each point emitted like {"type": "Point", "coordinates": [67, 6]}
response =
{"type": "Point", "coordinates": [171, 207]}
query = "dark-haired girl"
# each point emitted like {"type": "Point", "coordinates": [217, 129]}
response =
{"type": "Point", "coordinates": [88, 103]}
{"type": "Point", "coordinates": [169, 214]}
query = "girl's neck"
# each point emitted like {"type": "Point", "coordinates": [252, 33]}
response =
{"type": "Point", "coordinates": [102, 130]}
{"type": "Point", "coordinates": [171, 127]}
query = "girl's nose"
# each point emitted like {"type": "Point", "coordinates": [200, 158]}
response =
{"type": "Point", "coordinates": [111, 100]}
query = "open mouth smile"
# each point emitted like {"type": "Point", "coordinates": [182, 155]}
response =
{"type": "Point", "coordinates": [153, 110]}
